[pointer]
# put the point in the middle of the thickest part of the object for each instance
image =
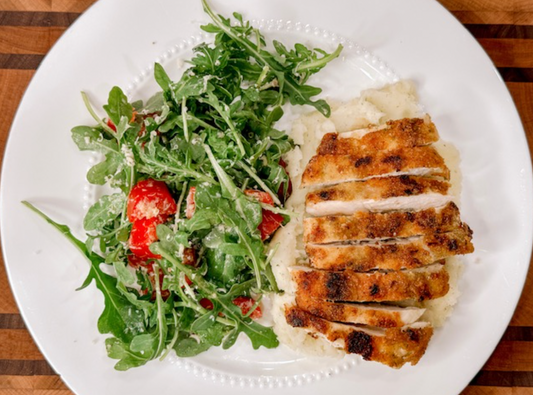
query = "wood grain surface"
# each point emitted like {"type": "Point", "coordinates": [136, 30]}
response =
{"type": "Point", "coordinates": [28, 29]}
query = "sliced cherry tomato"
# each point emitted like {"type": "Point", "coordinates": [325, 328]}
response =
{"type": "Point", "coordinates": [263, 197]}
{"type": "Point", "coordinates": [245, 303]}
{"type": "Point", "coordinates": [149, 199]}
{"type": "Point", "coordinates": [191, 205]}
{"type": "Point", "coordinates": [143, 233]}
{"type": "Point", "coordinates": [111, 125]}
{"type": "Point", "coordinates": [206, 304]}
{"type": "Point", "coordinates": [270, 223]}
{"type": "Point", "coordinates": [281, 190]}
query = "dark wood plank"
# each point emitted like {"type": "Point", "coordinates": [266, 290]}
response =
{"type": "Point", "coordinates": [475, 390]}
{"type": "Point", "coordinates": [43, 19]}
{"type": "Point", "coordinates": [509, 52]}
{"type": "Point", "coordinates": [503, 379]}
{"type": "Point", "coordinates": [20, 62]}
{"type": "Point", "coordinates": [11, 321]}
{"type": "Point", "coordinates": [500, 31]}
{"type": "Point", "coordinates": [25, 368]}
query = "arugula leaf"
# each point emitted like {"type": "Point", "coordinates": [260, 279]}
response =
{"type": "Point", "coordinates": [117, 106]}
{"type": "Point", "coordinates": [105, 210]}
{"type": "Point", "coordinates": [119, 317]}
{"type": "Point", "coordinates": [104, 171]}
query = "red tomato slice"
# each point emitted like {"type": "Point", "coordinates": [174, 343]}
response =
{"type": "Point", "coordinates": [191, 206]}
{"type": "Point", "coordinates": [143, 233]}
{"type": "Point", "coordinates": [271, 222]}
{"type": "Point", "coordinates": [111, 125]}
{"type": "Point", "coordinates": [263, 197]}
{"type": "Point", "coordinates": [245, 303]}
{"type": "Point", "coordinates": [149, 199]}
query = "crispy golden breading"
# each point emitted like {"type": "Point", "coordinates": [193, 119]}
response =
{"type": "Point", "coordinates": [333, 169]}
{"type": "Point", "coordinates": [355, 313]}
{"type": "Point", "coordinates": [368, 225]}
{"type": "Point", "coordinates": [392, 255]}
{"type": "Point", "coordinates": [407, 132]}
{"type": "Point", "coordinates": [393, 347]}
{"type": "Point", "coordinates": [378, 194]}
{"type": "Point", "coordinates": [429, 282]}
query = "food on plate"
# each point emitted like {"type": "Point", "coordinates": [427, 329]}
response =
{"type": "Point", "coordinates": [391, 346]}
{"type": "Point", "coordinates": [429, 282]}
{"type": "Point", "coordinates": [365, 225]}
{"type": "Point", "coordinates": [364, 164]}
{"type": "Point", "coordinates": [371, 314]}
{"type": "Point", "coordinates": [179, 247]}
{"type": "Point", "coordinates": [378, 194]}
{"type": "Point", "coordinates": [372, 269]}
{"type": "Point", "coordinates": [393, 254]}
{"type": "Point", "coordinates": [205, 216]}
{"type": "Point", "coordinates": [400, 133]}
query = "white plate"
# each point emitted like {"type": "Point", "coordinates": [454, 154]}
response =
{"type": "Point", "coordinates": [115, 42]}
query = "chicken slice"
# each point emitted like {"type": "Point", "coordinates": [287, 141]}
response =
{"type": "Point", "coordinates": [429, 282]}
{"type": "Point", "coordinates": [333, 169]}
{"type": "Point", "coordinates": [407, 132]}
{"type": "Point", "coordinates": [365, 225]}
{"type": "Point", "coordinates": [391, 254]}
{"type": "Point", "coordinates": [393, 347]}
{"type": "Point", "coordinates": [371, 314]}
{"type": "Point", "coordinates": [378, 194]}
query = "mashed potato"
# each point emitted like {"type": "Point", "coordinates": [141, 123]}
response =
{"type": "Point", "coordinates": [374, 106]}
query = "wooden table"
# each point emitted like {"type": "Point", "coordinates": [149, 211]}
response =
{"type": "Point", "coordinates": [28, 29]}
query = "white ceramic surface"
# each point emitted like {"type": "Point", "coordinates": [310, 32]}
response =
{"type": "Point", "coordinates": [116, 41]}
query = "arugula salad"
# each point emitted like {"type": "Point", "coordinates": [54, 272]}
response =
{"type": "Point", "coordinates": [198, 186]}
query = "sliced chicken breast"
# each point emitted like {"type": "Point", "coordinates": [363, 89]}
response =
{"type": "Point", "coordinates": [396, 254]}
{"type": "Point", "coordinates": [368, 225]}
{"type": "Point", "coordinates": [333, 169]}
{"type": "Point", "coordinates": [371, 314]}
{"type": "Point", "coordinates": [407, 132]}
{"type": "Point", "coordinates": [393, 347]}
{"type": "Point", "coordinates": [378, 194]}
{"type": "Point", "coordinates": [429, 282]}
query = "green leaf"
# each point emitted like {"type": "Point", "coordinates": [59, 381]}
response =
{"type": "Point", "coordinates": [190, 347]}
{"type": "Point", "coordinates": [162, 77]}
{"type": "Point", "coordinates": [231, 338]}
{"type": "Point", "coordinates": [92, 139]}
{"type": "Point", "coordinates": [117, 349]}
{"type": "Point", "coordinates": [120, 317]}
{"type": "Point", "coordinates": [104, 171]}
{"type": "Point", "coordinates": [260, 335]}
{"type": "Point", "coordinates": [105, 210]}
{"type": "Point", "coordinates": [203, 322]}
{"type": "Point", "coordinates": [123, 274]}
{"type": "Point", "coordinates": [118, 106]}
